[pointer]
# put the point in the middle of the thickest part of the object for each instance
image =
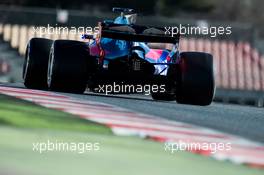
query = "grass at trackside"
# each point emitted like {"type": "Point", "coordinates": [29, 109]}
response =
{"type": "Point", "coordinates": [23, 123]}
{"type": "Point", "coordinates": [117, 156]}
{"type": "Point", "coordinates": [20, 113]}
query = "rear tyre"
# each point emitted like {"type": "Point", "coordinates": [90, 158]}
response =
{"type": "Point", "coordinates": [36, 63]}
{"type": "Point", "coordinates": [69, 66]}
{"type": "Point", "coordinates": [195, 84]}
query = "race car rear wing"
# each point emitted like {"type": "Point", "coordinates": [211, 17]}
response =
{"type": "Point", "coordinates": [136, 33]}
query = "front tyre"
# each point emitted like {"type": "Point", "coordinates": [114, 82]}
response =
{"type": "Point", "coordinates": [68, 66]}
{"type": "Point", "coordinates": [195, 82]}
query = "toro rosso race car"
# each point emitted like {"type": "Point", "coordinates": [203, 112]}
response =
{"type": "Point", "coordinates": [125, 54]}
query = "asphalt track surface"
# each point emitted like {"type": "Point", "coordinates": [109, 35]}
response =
{"type": "Point", "coordinates": [244, 121]}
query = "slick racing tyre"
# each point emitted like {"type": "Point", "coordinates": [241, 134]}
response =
{"type": "Point", "coordinates": [195, 81]}
{"type": "Point", "coordinates": [36, 63]}
{"type": "Point", "coordinates": [69, 65]}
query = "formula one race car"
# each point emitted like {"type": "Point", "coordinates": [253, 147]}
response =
{"type": "Point", "coordinates": [124, 54]}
